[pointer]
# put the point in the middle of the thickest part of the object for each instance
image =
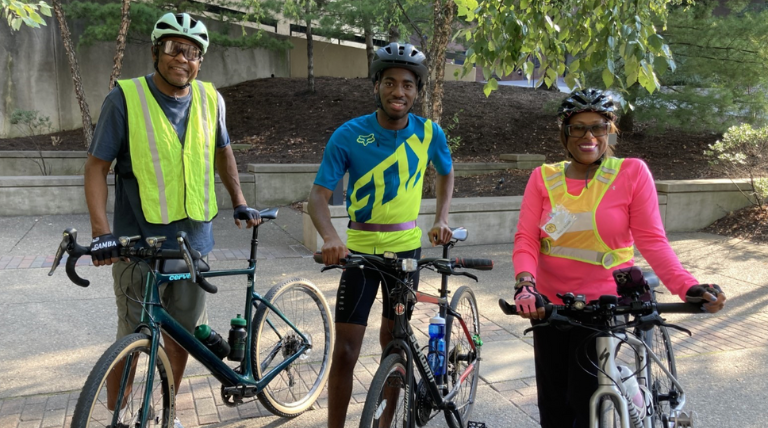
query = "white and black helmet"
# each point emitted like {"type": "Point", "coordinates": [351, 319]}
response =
{"type": "Point", "coordinates": [181, 25]}
{"type": "Point", "coordinates": [584, 100]}
{"type": "Point", "coordinates": [396, 55]}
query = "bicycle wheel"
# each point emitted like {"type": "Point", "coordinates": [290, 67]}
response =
{"type": "Point", "coordinates": [95, 407]}
{"type": "Point", "coordinates": [297, 386]}
{"type": "Point", "coordinates": [389, 397]}
{"type": "Point", "coordinates": [663, 392]}
{"type": "Point", "coordinates": [460, 354]}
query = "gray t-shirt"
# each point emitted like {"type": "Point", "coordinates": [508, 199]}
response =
{"type": "Point", "coordinates": [110, 142]}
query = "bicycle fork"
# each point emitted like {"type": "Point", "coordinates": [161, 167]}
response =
{"type": "Point", "coordinates": [610, 386]}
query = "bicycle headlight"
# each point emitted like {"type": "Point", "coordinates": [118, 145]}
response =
{"type": "Point", "coordinates": [409, 265]}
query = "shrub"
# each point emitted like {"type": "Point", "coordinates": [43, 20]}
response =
{"type": "Point", "coordinates": [743, 153]}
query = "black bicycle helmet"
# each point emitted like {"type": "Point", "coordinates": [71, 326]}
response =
{"type": "Point", "coordinates": [587, 100]}
{"type": "Point", "coordinates": [396, 55]}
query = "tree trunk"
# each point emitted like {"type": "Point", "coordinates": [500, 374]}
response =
{"type": "Point", "coordinates": [310, 51]}
{"type": "Point", "coordinates": [433, 97]}
{"type": "Point", "coordinates": [120, 49]}
{"type": "Point", "coordinates": [432, 103]}
{"type": "Point", "coordinates": [369, 51]}
{"type": "Point", "coordinates": [66, 37]}
{"type": "Point", "coordinates": [627, 122]}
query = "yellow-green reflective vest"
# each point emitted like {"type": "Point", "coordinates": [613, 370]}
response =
{"type": "Point", "coordinates": [582, 242]}
{"type": "Point", "coordinates": [175, 181]}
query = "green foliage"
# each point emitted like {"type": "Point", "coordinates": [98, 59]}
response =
{"type": "Point", "coordinates": [31, 123]}
{"type": "Point", "coordinates": [103, 22]}
{"type": "Point", "coordinates": [743, 153]}
{"type": "Point", "coordinates": [454, 141]}
{"type": "Point", "coordinates": [719, 80]}
{"type": "Point", "coordinates": [506, 35]}
{"type": "Point", "coordinates": [19, 12]}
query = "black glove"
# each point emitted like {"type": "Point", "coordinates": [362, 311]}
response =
{"type": "Point", "coordinates": [695, 294]}
{"type": "Point", "coordinates": [243, 212]}
{"type": "Point", "coordinates": [104, 247]}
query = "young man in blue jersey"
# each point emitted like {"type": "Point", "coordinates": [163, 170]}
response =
{"type": "Point", "coordinates": [386, 154]}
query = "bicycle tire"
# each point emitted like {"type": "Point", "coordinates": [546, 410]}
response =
{"type": "Point", "coordinates": [663, 392]}
{"type": "Point", "coordinates": [92, 408]}
{"type": "Point", "coordinates": [458, 354]}
{"type": "Point", "coordinates": [296, 388]}
{"type": "Point", "coordinates": [390, 374]}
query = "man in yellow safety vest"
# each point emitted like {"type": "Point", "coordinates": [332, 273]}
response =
{"type": "Point", "coordinates": [167, 134]}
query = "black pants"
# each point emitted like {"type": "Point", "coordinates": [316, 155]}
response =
{"type": "Point", "coordinates": [564, 387]}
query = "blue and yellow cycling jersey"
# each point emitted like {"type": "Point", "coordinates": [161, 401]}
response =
{"type": "Point", "coordinates": [386, 171]}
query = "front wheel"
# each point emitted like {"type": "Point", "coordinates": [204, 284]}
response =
{"type": "Point", "coordinates": [390, 396]}
{"type": "Point", "coordinates": [125, 368]}
{"type": "Point", "coordinates": [296, 386]}
{"type": "Point", "coordinates": [663, 392]}
{"type": "Point", "coordinates": [461, 356]}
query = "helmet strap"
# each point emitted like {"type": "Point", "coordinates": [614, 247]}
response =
{"type": "Point", "coordinates": [166, 80]}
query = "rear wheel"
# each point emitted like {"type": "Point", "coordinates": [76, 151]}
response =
{"type": "Point", "coordinates": [461, 355]}
{"type": "Point", "coordinates": [296, 387]}
{"type": "Point", "coordinates": [126, 365]}
{"type": "Point", "coordinates": [389, 397]}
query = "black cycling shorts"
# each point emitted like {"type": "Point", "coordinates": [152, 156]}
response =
{"type": "Point", "coordinates": [358, 289]}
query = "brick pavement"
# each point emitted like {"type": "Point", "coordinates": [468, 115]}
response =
{"type": "Point", "coordinates": [199, 402]}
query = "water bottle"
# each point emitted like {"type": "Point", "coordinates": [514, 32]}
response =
{"type": "Point", "coordinates": [436, 357]}
{"type": "Point", "coordinates": [212, 340]}
{"type": "Point", "coordinates": [237, 335]}
{"type": "Point", "coordinates": [632, 388]}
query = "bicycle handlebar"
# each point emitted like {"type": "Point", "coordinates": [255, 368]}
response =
{"type": "Point", "coordinates": [74, 250]}
{"type": "Point", "coordinates": [442, 265]}
{"type": "Point", "coordinates": [640, 308]}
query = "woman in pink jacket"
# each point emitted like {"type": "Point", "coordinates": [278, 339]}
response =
{"type": "Point", "coordinates": [579, 221]}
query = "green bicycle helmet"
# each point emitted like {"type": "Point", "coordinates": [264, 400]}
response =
{"type": "Point", "coordinates": [583, 100]}
{"type": "Point", "coordinates": [404, 56]}
{"type": "Point", "coordinates": [181, 25]}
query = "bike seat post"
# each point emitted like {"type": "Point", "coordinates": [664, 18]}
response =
{"type": "Point", "coordinates": [254, 243]}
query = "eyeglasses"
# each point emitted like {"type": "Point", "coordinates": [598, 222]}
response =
{"type": "Point", "coordinates": [579, 130]}
{"type": "Point", "coordinates": [172, 48]}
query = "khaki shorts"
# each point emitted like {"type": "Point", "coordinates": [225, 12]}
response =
{"type": "Point", "coordinates": [184, 300]}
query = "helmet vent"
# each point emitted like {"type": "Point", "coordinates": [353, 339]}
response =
{"type": "Point", "coordinates": [163, 26]}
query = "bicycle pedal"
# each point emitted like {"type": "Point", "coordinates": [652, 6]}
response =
{"type": "Point", "coordinates": [683, 420]}
{"type": "Point", "coordinates": [472, 424]}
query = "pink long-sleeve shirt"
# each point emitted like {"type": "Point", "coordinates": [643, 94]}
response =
{"type": "Point", "coordinates": [627, 214]}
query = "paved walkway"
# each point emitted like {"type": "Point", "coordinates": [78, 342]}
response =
{"type": "Point", "coordinates": [723, 364]}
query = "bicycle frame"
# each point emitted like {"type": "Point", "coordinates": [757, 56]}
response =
{"type": "Point", "coordinates": [155, 318]}
{"type": "Point", "coordinates": [609, 378]}
{"type": "Point", "coordinates": [405, 340]}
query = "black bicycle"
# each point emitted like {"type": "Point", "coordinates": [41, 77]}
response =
{"type": "Point", "coordinates": [392, 399]}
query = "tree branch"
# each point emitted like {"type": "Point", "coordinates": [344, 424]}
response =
{"type": "Point", "coordinates": [421, 36]}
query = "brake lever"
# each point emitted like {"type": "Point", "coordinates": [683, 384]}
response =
{"type": "Point", "coordinates": [70, 234]}
{"type": "Point", "coordinates": [467, 274]}
{"type": "Point", "coordinates": [181, 238]}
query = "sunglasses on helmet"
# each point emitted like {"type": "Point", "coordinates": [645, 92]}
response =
{"type": "Point", "coordinates": [579, 130]}
{"type": "Point", "coordinates": [172, 48]}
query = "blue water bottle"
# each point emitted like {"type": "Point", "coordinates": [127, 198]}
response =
{"type": "Point", "coordinates": [436, 355]}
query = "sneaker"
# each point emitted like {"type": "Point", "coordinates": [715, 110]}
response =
{"type": "Point", "coordinates": [177, 423]}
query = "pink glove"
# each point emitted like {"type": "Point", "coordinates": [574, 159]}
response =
{"type": "Point", "coordinates": [527, 299]}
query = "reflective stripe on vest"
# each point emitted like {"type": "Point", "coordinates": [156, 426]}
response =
{"type": "Point", "coordinates": [175, 181]}
{"type": "Point", "coordinates": [582, 242]}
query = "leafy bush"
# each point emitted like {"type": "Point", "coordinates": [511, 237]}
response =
{"type": "Point", "coordinates": [743, 153]}
{"type": "Point", "coordinates": [31, 123]}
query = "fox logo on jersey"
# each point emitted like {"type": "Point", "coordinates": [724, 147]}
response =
{"type": "Point", "coordinates": [366, 139]}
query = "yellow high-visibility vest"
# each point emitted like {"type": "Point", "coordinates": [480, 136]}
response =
{"type": "Point", "coordinates": [581, 241]}
{"type": "Point", "coordinates": [175, 181]}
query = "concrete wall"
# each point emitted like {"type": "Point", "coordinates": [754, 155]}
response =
{"type": "Point", "coordinates": [35, 72]}
{"type": "Point", "coordinates": [329, 59]}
